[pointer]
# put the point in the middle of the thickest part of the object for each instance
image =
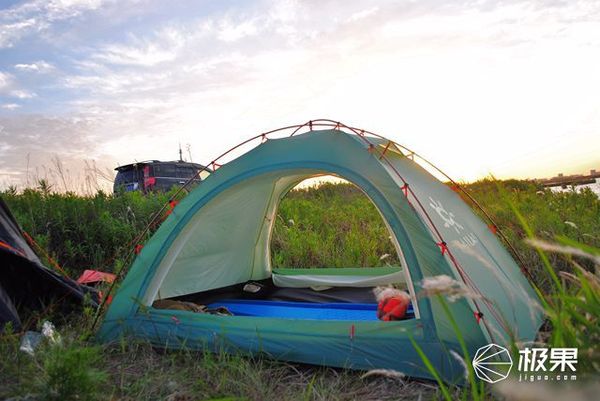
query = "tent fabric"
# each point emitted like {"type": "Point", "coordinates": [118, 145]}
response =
{"type": "Point", "coordinates": [24, 281]}
{"type": "Point", "coordinates": [269, 292]}
{"type": "Point", "coordinates": [219, 236]}
{"type": "Point", "coordinates": [11, 239]}
{"type": "Point", "coordinates": [8, 312]}
{"type": "Point", "coordinates": [337, 271]}
{"type": "Point", "coordinates": [337, 277]}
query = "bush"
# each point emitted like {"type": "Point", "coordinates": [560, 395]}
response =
{"type": "Point", "coordinates": [70, 373]}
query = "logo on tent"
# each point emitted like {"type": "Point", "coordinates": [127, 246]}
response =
{"type": "Point", "coordinates": [448, 217]}
{"type": "Point", "coordinates": [492, 363]}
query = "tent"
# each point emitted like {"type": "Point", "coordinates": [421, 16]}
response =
{"type": "Point", "coordinates": [213, 249]}
{"type": "Point", "coordinates": [26, 285]}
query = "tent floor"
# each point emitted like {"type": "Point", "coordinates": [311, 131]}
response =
{"type": "Point", "coordinates": [340, 303]}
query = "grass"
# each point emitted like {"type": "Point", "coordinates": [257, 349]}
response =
{"type": "Point", "coordinates": [83, 232]}
{"type": "Point", "coordinates": [136, 371]}
{"type": "Point", "coordinates": [333, 226]}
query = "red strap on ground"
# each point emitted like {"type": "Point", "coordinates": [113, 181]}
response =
{"type": "Point", "coordinates": [138, 249]}
{"type": "Point", "coordinates": [493, 228]}
{"type": "Point", "coordinates": [443, 246]}
{"type": "Point", "coordinates": [352, 331]}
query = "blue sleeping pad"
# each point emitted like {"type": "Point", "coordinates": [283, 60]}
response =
{"type": "Point", "coordinates": [303, 310]}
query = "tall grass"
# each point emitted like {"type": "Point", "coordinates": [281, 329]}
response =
{"type": "Point", "coordinates": [332, 225]}
{"type": "Point", "coordinates": [83, 232]}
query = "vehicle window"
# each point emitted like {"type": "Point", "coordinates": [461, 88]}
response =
{"type": "Point", "coordinates": [125, 176]}
{"type": "Point", "coordinates": [165, 170]}
{"type": "Point", "coordinates": [185, 171]}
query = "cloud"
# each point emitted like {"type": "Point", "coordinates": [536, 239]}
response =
{"type": "Point", "coordinates": [22, 94]}
{"type": "Point", "coordinates": [417, 68]}
{"type": "Point", "coordinates": [35, 16]}
{"type": "Point", "coordinates": [31, 145]}
{"type": "Point", "coordinates": [38, 67]}
{"type": "Point", "coordinates": [10, 106]}
{"type": "Point", "coordinates": [232, 31]}
{"type": "Point", "coordinates": [146, 53]}
{"type": "Point", "coordinates": [5, 81]}
{"type": "Point", "coordinates": [363, 14]}
{"type": "Point", "coordinates": [7, 88]}
{"type": "Point", "coordinates": [11, 32]}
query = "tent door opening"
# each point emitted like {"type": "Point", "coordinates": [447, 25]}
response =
{"type": "Point", "coordinates": [338, 293]}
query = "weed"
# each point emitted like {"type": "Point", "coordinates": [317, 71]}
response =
{"type": "Point", "coordinates": [70, 373]}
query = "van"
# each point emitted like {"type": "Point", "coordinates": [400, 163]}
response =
{"type": "Point", "coordinates": [155, 175]}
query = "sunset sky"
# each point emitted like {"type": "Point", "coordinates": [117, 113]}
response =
{"type": "Point", "coordinates": [478, 87]}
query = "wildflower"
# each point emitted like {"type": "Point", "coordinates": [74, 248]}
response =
{"type": "Point", "coordinates": [461, 361]}
{"type": "Point", "coordinates": [393, 374]}
{"type": "Point", "coordinates": [291, 222]}
{"type": "Point", "coordinates": [49, 331]}
{"type": "Point", "coordinates": [568, 250]}
{"type": "Point", "coordinates": [445, 285]}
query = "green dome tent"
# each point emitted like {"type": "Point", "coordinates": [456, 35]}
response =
{"type": "Point", "coordinates": [216, 242]}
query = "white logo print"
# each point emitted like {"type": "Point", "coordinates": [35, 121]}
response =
{"type": "Point", "coordinates": [492, 363]}
{"type": "Point", "coordinates": [468, 239]}
{"type": "Point", "coordinates": [448, 217]}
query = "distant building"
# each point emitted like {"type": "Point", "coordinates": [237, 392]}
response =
{"type": "Point", "coordinates": [154, 175]}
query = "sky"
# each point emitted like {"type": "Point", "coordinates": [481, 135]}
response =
{"type": "Point", "coordinates": [509, 88]}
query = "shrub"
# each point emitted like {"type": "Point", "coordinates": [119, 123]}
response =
{"type": "Point", "coordinates": [70, 373]}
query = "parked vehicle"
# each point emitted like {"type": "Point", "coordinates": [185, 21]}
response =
{"type": "Point", "coordinates": [155, 175]}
